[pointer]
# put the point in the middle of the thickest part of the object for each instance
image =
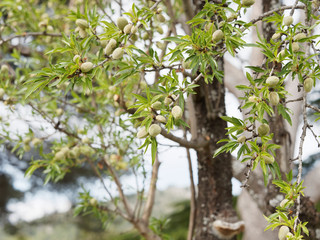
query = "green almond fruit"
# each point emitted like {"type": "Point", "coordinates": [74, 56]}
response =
{"type": "Point", "coordinates": [2, 92]}
{"type": "Point", "coordinates": [59, 112]}
{"type": "Point", "coordinates": [272, 81]}
{"type": "Point", "coordinates": [308, 84]}
{"type": "Point", "coordinates": [36, 142]}
{"type": "Point", "coordinates": [281, 54]}
{"type": "Point", "coordinates": [4, 69]}
{"type": "Point", "coordinates": [167, 101]}
{"type": "Point", "coordinates": [154, 130]}
{"type": "Point", "coordinates": [93, 201]}
{"type": "Point", "coordinates": [82, 33]}
{"type": "Point", "coordinates": [217, 35]}
{"type": "Point", "coordinates": [104, 43]}
{"type": "Point", "coordinates": [161, 18]}
{"type": "Point", "coordinates": [117, 53]}
{"type": "Point", "coordinates": [127, 28]}
{"type": "Point", "coordinates": [299, 36]}
{"type": "Point", "coordinates": [283, 202]}
{"type": "Point", "coordinates": [26, 148]}
{"type": "Point", "coordinates": [27, 140]}
{"type": "Point", "coordinates": [122, 22]}
{"type": "Point", "coordinates": [232, 17]}
{"type": "Point", "coordinates": [156, 105]}
{"type": "Point", "coordinates": [274, 98]}
{"type": "Point", "coordinates": [86, 67]}
{"type": "Point", "coordinates": [210, 26]}
{"type": "Point", "coordinates": [76, 58]}
{"type": "Point", "coordinates": [276, 36]}
{"type": "Point", "coordinates": [248, 3]}
{"type": "Point", "coordinates": [252, 99]}
{"type": "Point", "coordinates": [59, 156]}
{"type": "Point", "coordinates": [263, 129]}
{"type": "Point", "coordinates": [283, 231]}
{"type": "Point", "coordinates": [241, 139]}
{"type": "Point", "coordinates": [145, 36]}
{"type": "Point", "coordinates": [82, 23]}
{"type": "Point", "coordinates": [288, 20]}
{"type": "Point", "coordinates": [85, 140]}
{"type": "Point", "coordinates": [295, 47]}
{"type": "Point", "coordinates": [112, 43]}
{"type": "Point", "coordinates": [159, 30]}
{"type": "Point", "coordinates": [86, 150]}
{"type": "Point", "coordinates": [142, 133]}
{"type": "Point", "coordinates": [177, 112]}
{"type": "Point", "coordinates": [161, 119]}
{"type": "Point", "coordinates": [134, 29]}
{"type": "Point", "coordinates": [268, 160]}
{"type": "Point", "coordinates": [108, 50]}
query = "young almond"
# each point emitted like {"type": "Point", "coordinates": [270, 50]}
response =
{"type": "Point", "coordinates": [241, 139]}
{"type": "Point", "coordinates": [86, 67]}
{"type": "Point", "coordinates": [134, 29]}
{"type": "Point", "coordinates": [209, 26]}
{"type": "Point", "coordinates": [176, 112]}
{"type": "Point", "coordinates": [85, 140]}
{"type": "Point", "coordinates": [167, 101]}
{"type": "Point", "coordinates": [127, 28]}
{"type": "Point", "coordinates": [263, 129]}
{"type": "Point", "coordinates": [82, 33]}
{"type": "Point", "coordinates": [76, 58]}
{"type": "Point", "coordinates": [268, 160]}
{"type": "Point", "coordinates": [161, 119]}
{"type": "Point", "coordinates": [299, 36]}
{"type": "Point", "coordinates": [154, 130]}
{"type": "Point", "coordinates": [308, 84]}
{"type": "Point", "coordinates": [156, 105]}
{"type": "Point", "coordinates": [274, 98]}
{"type": "Point", "coordinates": [117, 53]}
{"type": "Point", "coordinates": [161, 18]}
{"type": "Point", "coordinates": [272, 81]}
{"type": "Point", "coordinates": [217, 35]}
{"type": "Point", "coordinates": [142, 133]}
{"type": "Point", "coordinates": [295, 47]}
{"type": "Point", "coordinates": [107, 50]}
{"type": "Point", "coordinates": [82, 23]}
{"type": "Point", "coordinates": [104, 43]}
{"type": "Point", "coordinates": [59, 112]}
{"type": "Point", "coordinates": [248, 3]}
{"type": "Point", "coordinates": [122, 22]}
{"type": "Point", "coordinates": [112, 43]}
{"type": "Point", "coordinates": [283, 231]}
{"type": "Point", "coordinates": [288, 20]}
{"type": "Point", "coordinates": [276, 36]}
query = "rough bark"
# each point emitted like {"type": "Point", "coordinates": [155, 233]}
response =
{"type": "Point", "coordinates": [214, 174]}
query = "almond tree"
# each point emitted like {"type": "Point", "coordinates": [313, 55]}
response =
{"type": "Point", "coordinates": [96, 80]}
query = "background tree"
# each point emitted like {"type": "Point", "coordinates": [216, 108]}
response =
{"type": "Point", "coordinates": [92, 79]}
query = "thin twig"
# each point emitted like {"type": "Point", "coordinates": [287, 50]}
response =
{"type": "Point", "coordinates": [193, 209]}
{"type": "Point", "coordinates": [152, 191]}
{"type": "Point", "coordinates": [314, 134]}
{"type": "Point", "coordinates": [293, 7]}
{"type": "Point", "coordinates": [30, 34]}
{"type": "Point", "coordinates": [313, 108]}
{"type": "Point", "coordinates": [302, 138]}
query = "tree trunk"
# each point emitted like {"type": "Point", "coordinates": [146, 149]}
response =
{"type": "Point", "coordinates": [214, 203]}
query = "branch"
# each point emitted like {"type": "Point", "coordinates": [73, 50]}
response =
{"type": "Point", "coordinates": [302, 138]}
{"type": "Point", "coordinates": [266, 14]}
{"type": "Point", "coordinates": [313, 108]}
{"type": "Point", "coordinates": [193, 210]}
{"type": "Point", "coordinates": [152, 190]}
{"type": "Point", "coordinates": [30, 34]}
{"type": "Point", "coordinates": [183, 142]}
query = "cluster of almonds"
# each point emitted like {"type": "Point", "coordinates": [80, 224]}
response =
{"type": "Point", "coordinates": [154, 128]}
{"type": "Point", "coordinates": [34, 141]}
{"type": "Point", "coordinates": [44, 23]}
{"type": "Point", "coordinates": [82, 25]}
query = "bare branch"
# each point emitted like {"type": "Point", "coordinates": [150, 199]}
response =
{"type": "Point", "coordinates": [302, 138]}
{"type": "Point", "coordinates": [152, 190]}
